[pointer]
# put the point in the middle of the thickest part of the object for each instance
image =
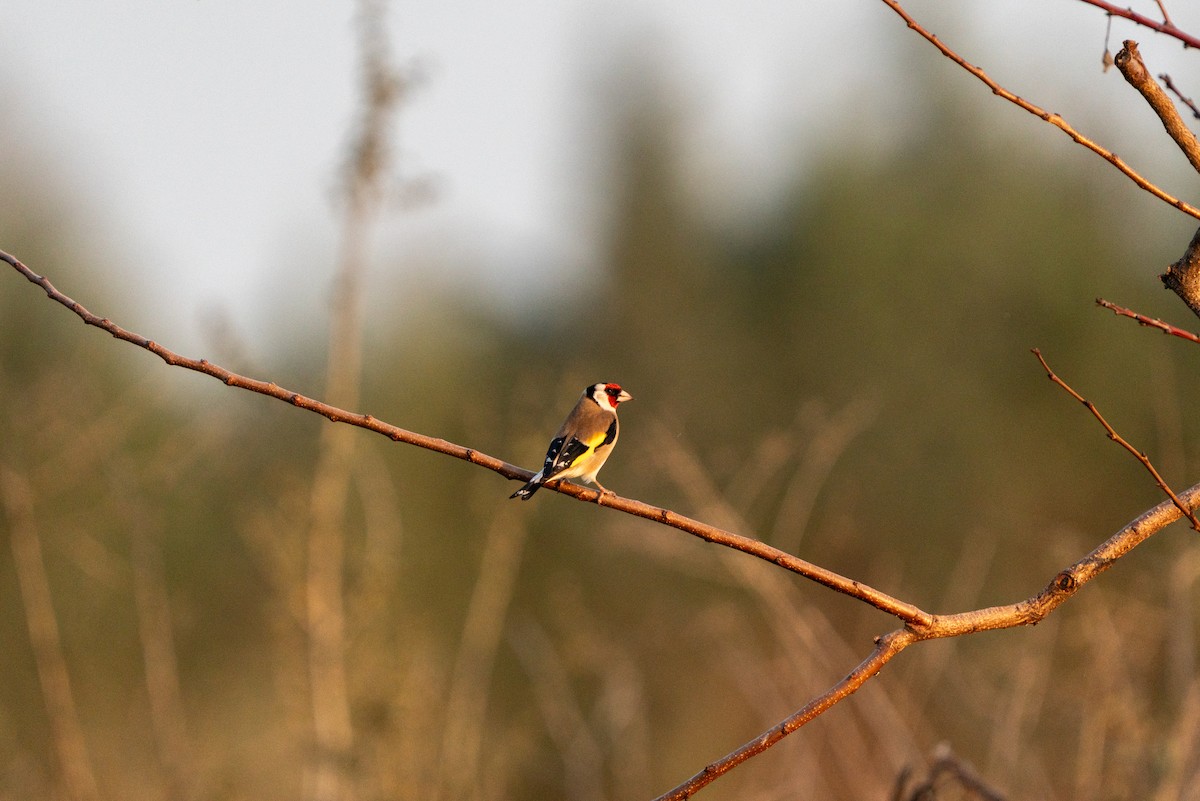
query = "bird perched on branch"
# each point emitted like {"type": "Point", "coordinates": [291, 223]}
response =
{"type": "Point", "coordinates": [584, 441]}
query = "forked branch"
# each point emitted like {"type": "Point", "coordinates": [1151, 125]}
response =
{"type": "Point", "coordinates": [918, 624]}
{"type": "Point", "coordinates": [1022, 613]}
{"type": "Point", "coordinates": [1166, 26]}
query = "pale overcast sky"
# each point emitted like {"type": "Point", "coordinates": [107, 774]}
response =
{"type": "Point", "coordinates": [208, 133]}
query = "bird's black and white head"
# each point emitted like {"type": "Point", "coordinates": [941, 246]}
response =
{"type": "Point", "coordinates": [607, 396]}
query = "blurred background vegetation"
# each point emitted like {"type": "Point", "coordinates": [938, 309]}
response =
{"type": "Point", "coordinates": [846, 375]}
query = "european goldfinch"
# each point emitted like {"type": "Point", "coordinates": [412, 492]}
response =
{"type": "Point", "coordinates": [584, 441]}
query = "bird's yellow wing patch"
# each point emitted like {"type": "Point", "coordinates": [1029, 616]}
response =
{"type": "Point", "coordinates": [595, 440]}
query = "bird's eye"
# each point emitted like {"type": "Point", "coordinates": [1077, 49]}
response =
{"type": "Point", "coordinates": [613, 391]}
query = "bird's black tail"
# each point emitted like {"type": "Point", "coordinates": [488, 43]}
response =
{"type": "Point", "coordinates": [526, 492]}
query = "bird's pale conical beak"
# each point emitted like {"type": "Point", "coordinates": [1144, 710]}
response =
{"type": "Point", "coordinates": [624, 396]}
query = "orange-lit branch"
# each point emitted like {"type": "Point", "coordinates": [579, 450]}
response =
{"type": "Point", "coordinates": [918, 624]}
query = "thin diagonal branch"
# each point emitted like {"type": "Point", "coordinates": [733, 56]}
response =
{"type": "Point", "coordinates": [1042, 114]}
{"type": "Point", "coordinates": [1166, 26]}
{"type": "Point", "coordinates": [907, 612]}
{"type": "Point", "coordinates": [1149, 322]}
{"type": "Point", "coordinates": [1117, 438]}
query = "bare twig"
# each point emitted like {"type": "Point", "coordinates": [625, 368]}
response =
{"type": "Point", "coordinates": [1149, 322]}
{"type": "Point", "coordinates": [1166, 26]}
{"type": "Point", "coordinates": [1117, 438]}
{"type": "Point", "coordinates": [1171, 87]}
{"type": "Point", "coordinates": [1129, 62]}
{"type": "Point", "coordinates": [1042, 114]}
{"type": "Point", "coordinates": [813, 644]}
{"type": "Point", "coordinates": [1182, 277]}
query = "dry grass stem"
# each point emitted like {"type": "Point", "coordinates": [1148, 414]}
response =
{"type": "Point", "coordinates": [580, 752]}
{"type": "Point", "coordinates": [74, 761]}
{"type": "Point", "coordinates": [471, 677]}
{"type": "Point", "coordinates": [156, 632]}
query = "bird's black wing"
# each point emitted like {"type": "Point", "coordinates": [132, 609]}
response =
{"type": "Point", "coordinates": [610, 436]}
{"type": "Point", "coordinates": [561, 456]}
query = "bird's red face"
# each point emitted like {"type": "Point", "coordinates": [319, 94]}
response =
{"type": "Point", "coordinates": [615, 395]}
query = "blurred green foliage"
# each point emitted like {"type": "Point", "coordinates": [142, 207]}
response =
{"type": "Point", "coordinates": [851, 376]}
